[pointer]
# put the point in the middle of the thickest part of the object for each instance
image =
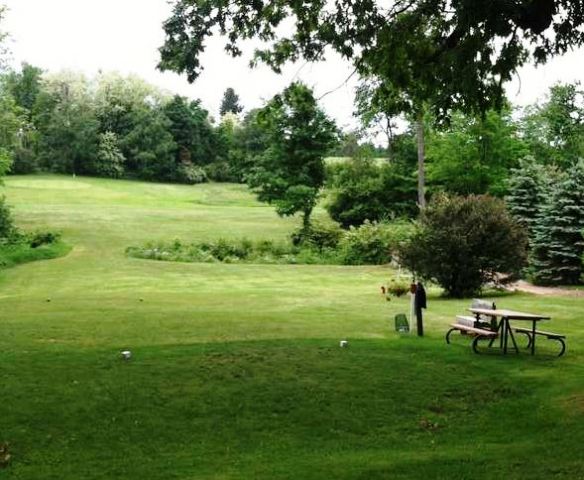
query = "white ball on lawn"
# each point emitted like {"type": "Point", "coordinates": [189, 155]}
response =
{"type": "Point", "coordinates": [126, 354]}
{"type": "Point", "coordinates": [343, 343]}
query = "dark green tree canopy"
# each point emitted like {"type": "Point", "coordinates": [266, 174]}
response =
{"type": "Point", "coordinates": [298, 135]}
{"type": "Point", "coordinates": [459, 51]}
{"type": "Point", "coordinates": [230, 103]}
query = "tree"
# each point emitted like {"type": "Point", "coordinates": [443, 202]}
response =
{"type": "Point", "coordinates": [230, 103]}
{"type": "Point", "coordinates": [290, 173]}
{"type": "Point", "coordinates": [191, 130]}
{"type": "Point", "coordinates": [475, 153]}
{"type": "Point", "coordinates": [483, 42]}
{"type": "Point", "coordinates": [463, 243]}
{"type": "Point", "coordinates": [25, 86]}
{"type": "Point", "coordinates": [68, 128]}
{"type": "Point", "coordinates": [558, 243]}
{"type": "Point", "coordinates": [362, 190]}
{"type": "Point", "coordinates": [554, 131]}
{"type": "Point", "coordinates": [11, 123]}
{"type": "Point", "coordinates": [410, 49]}
{"type": "Point", "coordinates": [527, 186]}
{"type": "Point", "coordinates": [110, 160]}
{"type": "Point", "coordinates": [149, 147]}
{"type": "Point", "coordinates": [3, 36]}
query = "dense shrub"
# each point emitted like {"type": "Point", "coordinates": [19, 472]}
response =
{"type": "Point", "coordinates": [319, 236]}
{"type": "Point", "coordinates": [462, 243]}
{"type": "Point", "coordinates": [373, 243]}
{"type": "Point", "coordinates": [221, 172]}
{"type": "Point", "coordinates": [190, 174]}
{"type": "Point", "coordinates": [362, 190]}
{"type": "Point", "coordinates": [7, 228]}
{"type": "Point", "coordinates": [232, 251]}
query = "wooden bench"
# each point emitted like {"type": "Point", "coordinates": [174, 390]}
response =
{"type": "Point", "coordinates": [480, 326]}
{"type": "Point", "coordinates": [480, 334]}
{"type": "Point", "coordinates": [549, 335]}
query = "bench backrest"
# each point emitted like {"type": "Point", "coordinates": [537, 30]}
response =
{"type": "Point", "coordinates": [487, 305]}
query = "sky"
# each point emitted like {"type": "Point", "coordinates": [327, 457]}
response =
{"type": "Point", "coordinates": [124, 36]}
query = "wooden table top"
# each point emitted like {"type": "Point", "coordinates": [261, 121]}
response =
{"type": "Point", "coordinates": [510, 314]}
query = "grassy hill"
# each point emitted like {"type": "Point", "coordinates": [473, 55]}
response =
{"type": "Point", "coordinates": [236, 371]}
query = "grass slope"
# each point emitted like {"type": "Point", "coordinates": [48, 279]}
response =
{"type": "Point", "coordinates": [236, 371]}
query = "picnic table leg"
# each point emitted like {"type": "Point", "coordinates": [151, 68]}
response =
{"type": "Point", "coordinates": [533, 338]}
{"type": "Point", "coordinates": [513, 339]}
{"type": "Point", "coordinates": [506, 333]}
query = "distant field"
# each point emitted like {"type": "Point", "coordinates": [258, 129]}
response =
{"type": "Point", "coordinates": [333, 160]}
{"type": "Point", "coordinates": [236, 370]}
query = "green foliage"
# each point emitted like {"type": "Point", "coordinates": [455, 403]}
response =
{"type": "Point", "coordinates": [25, 86]}
{"type": "Point", "coordinates": [248, 142]}
{"type": "Point", "coordinates": [233, 251]}
{"type": "Point", "coordinates": [67, 124]}
{"type": "Point", "coordinates": [363, 190]}
{"type": "Point", "coordinates": [230, 103]}
{"type": "Point", "coordinates": [11, 121]}
{"type": "Point", "coordinates": [7, 228]}
{"type": "Point", "coordinates": [474, 155]}
{"type": "Point", "coordinates": [373, 243]}
{"type": "Point", "coordinates": [558, 241]}
{"type": "Point", "coordinates": [290, 173]}
{"type": "Point", "coordinates": [149, 147]}
{"type": "Point", "coordinates": [191, 131]}
{"type": "Point", "coordinates": [397, 287]}
{"type": "Point", "coordinates": [527, 187]}
{"type": "Point", "coordinates": [463, 243]}
{"type": "Point", "coordinates": [190, 174]}
{"type": "Point", "coordinates": [17, 253]}
{"type": "Point", "coordinates": [110, 160]}
{"type": "Point", "coordinates": [318, 236]}
{"type": "Point", "coordinates": [412, 48]}
{"type": "Point", "coordinates": [554, 130]}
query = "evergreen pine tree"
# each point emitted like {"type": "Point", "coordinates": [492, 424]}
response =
{"type": "Point", "coordinates": [526, 193]}
{"type": "Point", "coordinates": [230, 102]}
{"type": "Point", "coordinates": [558, 243]}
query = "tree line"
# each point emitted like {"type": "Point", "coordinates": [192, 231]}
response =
{"type": "Point", "coordinates": [109, 126]}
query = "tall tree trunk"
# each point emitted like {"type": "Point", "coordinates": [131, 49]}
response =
{"type": "Point", "coordinates": [421, 159]}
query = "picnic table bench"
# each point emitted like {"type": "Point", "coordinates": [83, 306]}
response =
{"type": "Point", "coordinates": [549, 335]}
{"type": "Point", "coordinates": [484, 325]}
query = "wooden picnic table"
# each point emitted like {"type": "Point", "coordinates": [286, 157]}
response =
{"type": "Point", "coordinates": [504, 327]}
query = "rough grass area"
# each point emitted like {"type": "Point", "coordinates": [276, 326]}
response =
{"type": "Point", "coordinates": [12, 255]}
{"type": "Point", "coordinates": [236, 370]}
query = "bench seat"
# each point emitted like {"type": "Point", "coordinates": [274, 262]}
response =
{"type": "Point", "coordinates": [480, 334]}
{"type": "Point", "coordinates": [478, 331]}
{"type": "Point", "coordinates": [549, 335]}
{"type": "Point", "coordinates": [539, 332]}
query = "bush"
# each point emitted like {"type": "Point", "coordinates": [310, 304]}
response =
{"type": "Point", "coordinates": [191, 174]}
{"type": "Point", "coordinates": [397, 287]}
{"type": "Point", "coordinates": [318, 236]}
{"type": "Point", "coordinates": [221, 172]}
{"type": "Point", "coordinates": [362, 190]}
{"type": "Point", "coordinates": [372, 243]}
{"type": "Point", "coordinates": [463, 243]}
{"type": "Point", "coordinates": [37, 239]}
{"type": "Point", "coordinates": [25, 161]}
{"type": "Point", "coordinates": [7, 228]}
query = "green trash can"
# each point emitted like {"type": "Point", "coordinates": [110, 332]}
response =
{"type": "Point", "coordinates": [401, 323]}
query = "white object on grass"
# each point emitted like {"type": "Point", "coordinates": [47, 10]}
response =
{"type": "Point", "coordinates": [126, 354]}
{"type": "Point", "coordinates": [343, 343]}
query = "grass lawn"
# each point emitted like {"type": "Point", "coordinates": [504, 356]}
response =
{"type": "Point", "coordinates": [236, 370]}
